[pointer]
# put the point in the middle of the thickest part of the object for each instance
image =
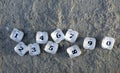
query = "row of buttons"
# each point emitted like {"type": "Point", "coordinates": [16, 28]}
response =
{"type": "Point", "coordinates": [57, 36]}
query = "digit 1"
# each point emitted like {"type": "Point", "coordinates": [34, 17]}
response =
{"type": "Point", "coordinates": [16, 35]}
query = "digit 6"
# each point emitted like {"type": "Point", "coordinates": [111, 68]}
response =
{"type": "Point", "coordinates": [58, 35]}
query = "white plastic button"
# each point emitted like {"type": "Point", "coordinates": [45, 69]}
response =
{"type": "Point", "coordinates": [34, 49]}
{"type": "Point", "coordinates": [42, 37]}
{"type": "Point", "coordinates": [21, 49]}
{"type": "Point", "coordinates": [108, 43]}
{"type": "Point", "coordinates": [73, 51]}
{"type": "Point", "coordinates": [89, 43]}
{"type": "Point", "coordinates": [16, 35]}
{"type": "Point", "coordinates": [71, 35]}
{"type": "Point", "coordinates": [51, 47]}
{"type": "Point", "coordinates": [57, 35]}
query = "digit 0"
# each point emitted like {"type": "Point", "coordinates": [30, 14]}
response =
{"type": "Point", "coordinates": [108, 43]}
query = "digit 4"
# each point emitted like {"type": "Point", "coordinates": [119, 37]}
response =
{"type": "Point", "coordinates": [41, 37]}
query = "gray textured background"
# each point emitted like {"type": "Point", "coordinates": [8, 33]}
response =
{"type": "Point", "coordinates": [95, 18]}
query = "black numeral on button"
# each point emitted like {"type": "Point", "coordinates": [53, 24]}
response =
{"type": "Point", "coordinates": [20, 49]}
{"type": "Point", "coordinates": [108, 43]}
{"type": "Point", "coordinates": [51, 48]}
{"type": "Point", "coordinates": [71, 35]}
{"type": "Point", "coordinates": [41, 37]}
{"type": "Point", "coordinates": [74, 51]}
{"type": "Point", "coordinates": [58, 35]}
{"type": "Point", "coordinates": [34, 50]}
{"type": "Point", "coordinates": [16, 35]}
{"type": "Point", "coordinates": [90, 42]}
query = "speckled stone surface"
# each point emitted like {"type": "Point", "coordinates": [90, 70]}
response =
{"type": "Point", "coordinates": [93, 18]}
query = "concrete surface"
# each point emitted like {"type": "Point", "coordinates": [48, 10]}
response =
{"type": "Point", "coordinates": [95, 18]}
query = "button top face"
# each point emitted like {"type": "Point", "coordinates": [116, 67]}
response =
{"type": "Point", "coordinates": [21, 49]}
{"type": "Point", "coordinates": [73, 51]}
{"type": "Point", "coordinates": [51, 47]}
{"type": "Point", "coordinates": [16, 35]}
{"type": "Point", "coordinates": [57, 35]}
{"type": "Point", "coordinates": [89, 43]}
{"type": "Point", "coordinates": [108, 43]}
{"type": "Point", "coordinates": [71, 35]}
{"type": "Point", "coordinates": [34, 49]}
{"type": "Point", "coordinates": [42, 37]}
